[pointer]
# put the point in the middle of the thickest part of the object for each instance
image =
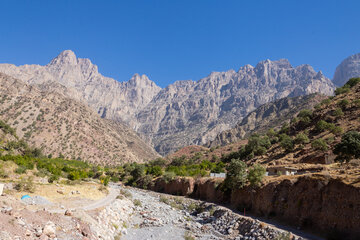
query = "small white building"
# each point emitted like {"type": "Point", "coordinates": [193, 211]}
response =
{"type": "Point", "coordinates": [280, 170]}
{"type": "Point", "coordinates": [218, 175]}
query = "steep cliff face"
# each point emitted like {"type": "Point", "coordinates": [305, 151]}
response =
{"type": "Point", "coordinates": [190, 112]}
{"type": "Point", "coordinates": [108, 97]}
{"type": "Point", "coordinates": [269, 115]}
{"type": "Point", "coordinates": [61, 125]}
{"type": "Point", "coordinates": [347, 69]}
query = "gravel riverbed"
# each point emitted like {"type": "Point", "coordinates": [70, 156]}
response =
{"type": "Point", "coordinates": [160, 216]}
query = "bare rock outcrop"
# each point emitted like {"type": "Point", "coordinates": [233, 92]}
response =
{"type": "Point", "coordinates": [347, 69]}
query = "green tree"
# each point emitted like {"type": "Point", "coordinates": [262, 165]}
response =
{"type": "Point", "coordinates": [301, 138]}
{"type": "Point", "coordinates": [287, 143]}
{"type": "Point", "coordinates": [155, 171]}
{"type": "Point", "coordinates": [256, 174]}
{"type": "Point", "coordinates": [138, 172]}
{"type": "Point", "coordinates": [343, 104]}
{"type": "Point", "coordinates": [349, 146]}
{"type": "Point", "coordinates": [236, 175]}
{"type": "Point", "coordinates": [319, 144]}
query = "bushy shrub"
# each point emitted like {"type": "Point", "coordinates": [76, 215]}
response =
{"type": "Point", "coordinates": [352, 82]}
{"type": "Point", "coordinates": [338, 113]}
{"type": "Point", "coordinates": [168, 176]}
{"type": "Point", "coordinates": [337, 130]}
{"type": "Point", "coordinates": [305, 113]}
{"type": "Point", "coordinates": [321, 126]}
{"type": "Point", "coordinates": [341, 90]}
{"type": "Point", "coordinates": [319, 144]}
{"type": "Point", "coordinates": [349, 146]}
{"type": "Point", "coordinates": [138, 172]}
{"type": "Point", "coordinates": [343, 103]}
{"type": "Point", "coordinates": [348, 85]}
{"type": "Point", "coordinates": [158, 162]}
{"type": "Point", "coordinates": [325, 102]}
{"type": "Point", "coordinates": [25, 184]}
{"type": "Point", "coordinates": [53, 178]}
{"type": "Point", "coordinates": [256, 174]}
{"type": "Point", "coordinates": [287, 143]}
{"type": "Point", "coordinates": [154, 170]}
{"type": "Point", "coordinates": [301, 138]}
{"type": "Point", "coordinates": [20, 170]}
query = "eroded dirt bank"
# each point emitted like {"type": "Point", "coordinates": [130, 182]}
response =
{"type": "Point", "coordinates": [319, 203]}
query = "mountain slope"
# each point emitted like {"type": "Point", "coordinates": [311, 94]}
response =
{"type": "Point", "coordinates": [269, 115]}
{"type": "Point", "coordinates": [110, 98]}
{"type": "Point", "coordinates": [349, 68]}
{"type": "Point", "coordinates": [60, 125]}
{"type": "Point", "coordinates": [187, 112]}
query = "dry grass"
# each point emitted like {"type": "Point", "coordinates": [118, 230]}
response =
{"type": "Point", "coordinates": [87, 191]}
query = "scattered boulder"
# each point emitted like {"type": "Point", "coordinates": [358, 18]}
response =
{"type": "Point", "coordinates": [49, 229]}
{"type": "Point", "coordinates": [68, 213]}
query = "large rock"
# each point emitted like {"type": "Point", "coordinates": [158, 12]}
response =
{"type": "Point", "coordinates": [347, 69]}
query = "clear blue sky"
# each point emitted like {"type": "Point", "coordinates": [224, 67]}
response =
{"type": "Point", "coordinates": [179, 39]}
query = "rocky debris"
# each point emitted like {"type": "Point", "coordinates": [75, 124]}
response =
{"type": "Point", "coordinates": [234, 226]}
{"type": "Point", "coordinates": [160, 217]}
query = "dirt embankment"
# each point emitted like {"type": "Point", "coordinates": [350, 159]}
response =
{"type": "Point", "coordinates": [319, 203]}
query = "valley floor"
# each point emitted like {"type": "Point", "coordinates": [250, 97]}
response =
{"type": "Point", "coordinates": [128, 214]}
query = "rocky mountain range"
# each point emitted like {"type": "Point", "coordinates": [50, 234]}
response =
{"type": "Point", "coordinates": [183, 113]}
{"type": "Point", "coordinates": [188, 112]}
{"type": "Point", "coordinates": [347, 69]}
{"type": "Point", "coordinates": [269, 115]}
{"type": "Point", "coordinates": [60, 125]}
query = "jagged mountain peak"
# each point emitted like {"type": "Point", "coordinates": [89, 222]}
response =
{"type": "Point", "coordinates": [281, 63]}
{"type": "Point", "coordinates": [141, 80]}
{"type": "Point", "coordinates": [66, 57]}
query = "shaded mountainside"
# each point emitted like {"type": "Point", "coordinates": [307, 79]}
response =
{"type": "Point", "coordinates": [269, 115]}
{"type": "Point", "coordinates": [63, 126]}
{"type": "Point", "coordinates": [185, 112]}
{"type": "Point", "coordinates": [349, 68]}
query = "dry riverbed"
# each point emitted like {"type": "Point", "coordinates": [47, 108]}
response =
{"type": "Point", "coordinates": [160, 216]}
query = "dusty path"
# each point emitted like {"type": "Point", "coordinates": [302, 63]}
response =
{"type": "Point", "coordinates": [113, 193]}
